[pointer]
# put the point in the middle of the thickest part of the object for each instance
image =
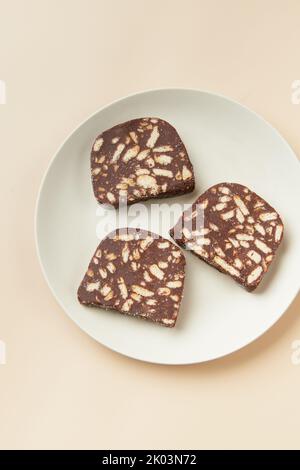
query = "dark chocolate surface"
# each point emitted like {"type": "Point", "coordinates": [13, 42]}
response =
{"type": "Point", "coordinates": [138, 160]}
{"type": "Point", "coordinates": [137, 273]}
{"type": "Point", "coordinates": [238, 233]}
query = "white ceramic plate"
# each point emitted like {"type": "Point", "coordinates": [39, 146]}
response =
{"type": "Point", "coordinates": [226, 142]}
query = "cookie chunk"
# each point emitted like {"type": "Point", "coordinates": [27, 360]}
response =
{"type": "Point", "coordinates": [138, 160]}
{"type": "Point", "coordinates": [232, 229]}
{"type": "Point", "coordinates": [138, 273]}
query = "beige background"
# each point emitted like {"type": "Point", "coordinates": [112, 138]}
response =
{"type": "Point", "coordinates": [62, 60]}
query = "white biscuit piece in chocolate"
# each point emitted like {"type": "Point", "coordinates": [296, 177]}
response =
{"type": "Point", "coordinates": [137, 273]}
{"type": "Point", "coordinates": [139, 160]}
{"type": "Point", "coordinates": [238, 234]}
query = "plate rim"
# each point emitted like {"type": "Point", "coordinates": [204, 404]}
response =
{"type": "Point", "coordinates": [37, 206]}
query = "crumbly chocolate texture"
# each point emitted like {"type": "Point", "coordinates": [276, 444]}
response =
{"type": "Point", "coordinates": [137, 273]}
{"type": "Point", "coordinates": [138, 160]}
{"type": "Point", "coordinates": [239, 232]}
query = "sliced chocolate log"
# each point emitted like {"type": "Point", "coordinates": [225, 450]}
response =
{"type": "Point", "coordinates": [232, 229]}
{"type": "Point", "coordinates": [138, 160]}
{"type": "Point", "coordinates": [137, 273]}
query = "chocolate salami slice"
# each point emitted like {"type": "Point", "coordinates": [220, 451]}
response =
{"type": "Point", "coordinates": [232, 229]}
{"type": "Point", "coordinates": [138, 273]}
{"type": "Point", "coordinates": [138, 160]}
